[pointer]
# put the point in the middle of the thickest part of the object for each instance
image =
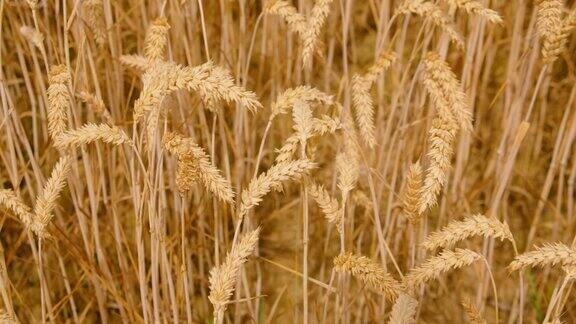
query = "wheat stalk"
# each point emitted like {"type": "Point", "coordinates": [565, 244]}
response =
{"type": "Point", "coordinates": [432, 12]}
{"type": "Point", "coordinates": [404, 310]}
{"type": "Point", "coordinates": [96, 20]}
{"type": "Point", "coordinates": [434, 266]}
{"type": "Point", "coordinates": [46, 200]}
{"type": "Point", "coordinates": [90, 133]}
{"type": "Point", "coordinates": [9, 200]}
{"type": "Point", "coordinates": [368, 272]}
{"type": "Point", "coordinates": [263, 184]}
{"type": "Point", "coordinates": [58, 100]}
{"type": "Point", "coordinates": [548, 254]}
{"type": "Point", "coordinates": [461, 230]}
{"type": "Point", "coordinates": [224, 276]}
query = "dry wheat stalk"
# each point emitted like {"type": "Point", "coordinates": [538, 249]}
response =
{"type": "Point", "coordinates": [411, 193]}
{"type": "Point", "coordinates": [95, 19]}
{"type": "Point", "coordinates": [9, 200]}
{"type": "Point", "coordinates": [191, 157]}
{"type": "Point", "coordinates": [156, 39]}
{"type": "Point", "coordinates": [368, 272]}
{"type": "Point", "coordinates": [432, 12]}
{"type": "Point", "coordinates": [548, 254]}
{"type": "Point", "coordinates": [445, 90]}
{"type": "Point", "coordinates": [263, 184]}
{"type": "Point", "coordinates": [329, 206]}
{"type": "Point", "coordinates": [441, 136]}
{"type": "Point", "coordinates": [474, 7]}
{"type": "Point", "coordinates": [404, 310]}
{"type": "Point", "coordinates": [434, 266]}
{"type": "Point", "coordinates": [33, 36]}
{"type": "Point", "coordinates": [460, 230]}
{"type": "Point", "coordinates": [224, 276]}
{"type": "Point", "coordinates": [58, 100]}
{"type": "Point", "coordinates": [473, 315]}
{"type": "Point", "coordinates": [90, 133]}
{"type": "Point", "coordinates": [46, 200]}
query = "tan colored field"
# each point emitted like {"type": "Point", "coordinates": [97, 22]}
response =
{"type": "Point", "coordinates": [287, 161]}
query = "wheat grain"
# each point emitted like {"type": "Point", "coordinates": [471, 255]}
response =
{"type": "Point", "coordinates": [368, 272]}
{"type": "Point", "coordinates": [224, 276]}
{"type": "Point", "coordinates": [90, 133]}
{"type": "Point", "coordinates": [471, 226]}
{"type": "Point", "coordinates": [263, 184]}
{"type": "Point", "coordinates": [404, 310]}
{"type": "Point", "coordinates": [434, 266]}
{"type": "Point", "coordinates": [46, 200]}
{"type": "Point", "coordinates": [548, 254]}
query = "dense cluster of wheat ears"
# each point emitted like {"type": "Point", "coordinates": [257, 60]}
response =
{"type": "Point", "coordinates": [300, 161]}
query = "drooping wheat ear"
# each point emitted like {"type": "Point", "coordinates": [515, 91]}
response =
{"type": "Point", "coordinates": [380, 65]}
{"type": "Point", "coordinates": [548, 17]}
{"type": "Point", "coordinates": [33, 36]}
{"type": "Point", "coordinates": [94, 15]}
{"type": "Point", "coordinates": [303, 122]}
{"type": "Point", "coordinates": [314, 24]}
{"type": "Point", "coordinates": [159, 80]}
{"type": "Point", "coordinates": [404, 310]}
{"type": "Point", "coordinates": [295, 20]}
{"type": "Point", "coordinates": [9, 200]}
{"type": "Point", "coordinates": [325, 125]}
{"type": "Point", "coordinates": [191, 156]}
{"type": "Point", "coordinates": [58, 100]}
{"type": "Point", "coordinates": [135, 62]}
{"type": "Point", "coordinates": [555, 43]}
{"type": "Point", "coordinates": [474, 7]}
{"type": "Point", "coordinates": [348, 172]}
{"type": "Point", "coordinates": [434, 266]}
{"type": "Point", "coordinates": [461, 230]}
{"type": "Point", "coordinates": [549, 254]}
{"type": "Point", "coordinates": [445, 90]}
{"type": "Point", "coordinates": [440, 137]}
{"type": "Point", "coordinates": [329, 206]}
{"type": "Point", "coordinates": [224, 276]}
{"type": "Point", "coordinates": [286, 99]}
{"type": "Point", "coordinates": [263, 184]}
{"type": "Point", "coordinates": [46, 201]}
{"type": "Point", "coordinates": [411, 193]}
{"type": "Point", "coordinates": [473, 315]}
{"type": "Point", "coordinates": [156, 39]}
{"type": "Point", "coordinates": [368, 272]}
{"type": "Point", "coordinates": [432, 12]}
{"type": "Point", "coordinates": [90, 133]}
{"type": "Point", "coordinates": [96, 104]}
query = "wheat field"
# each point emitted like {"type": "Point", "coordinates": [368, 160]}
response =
{"type": "Point", "coordinates": [287, 161]}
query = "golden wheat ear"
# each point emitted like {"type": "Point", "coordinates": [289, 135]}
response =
{"type": "Point", "coordinates": [224, 276]}
{"type": "Point", "coordinates": [404, 310]}
{"type": "Point", "coordinates": [328, 205]}
{"type": "Point", "coordinates": [33, 36]}
{"type": "Point", "coordinates": [411, 193]}
{"type": "Point", "coordinates": [474, 7]}
{"type": "Point", "coordinates": [13, 202]}
{"type": "Point", "coordinates": [549, 254]}
{"type": "Point", "coordinates": [156, 40]}
{"type": "Point", "coordinates": [368, 272]}
{"type": "Point", "coordinates": [93, 12]}
{"type": "Point", "coordinates": [90, 133]}
{"type": "Point", "coordinates": [58, 100]}
{"type": "Point", "coordinates": [472, 312]}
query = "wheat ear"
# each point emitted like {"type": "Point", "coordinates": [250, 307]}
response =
{"type": "Point", "coordinates": [303, 122]}
{"type": "Point", "coordinates": [328, 205]}
{"type": "Point", "coordinates": [314, 24]}
{"type": "Point", "coordinates": [473, 315]}
{"type": "Point", "coordinates": [46, 201]}
{"type": "Point", "coordinates": [96, 104]}
{"type": "Point", "coordinates": [90, 133]}
{"type": "Point", "coordinates": [295, 20]}
{"type": "Point", "coordinates": [263, 184]}
{"type": "Point", "coordinates": [556, 40]}
{"type": "Point", "coordinates": [58, 100]}
{"type": "Point", "coordinates": [9, 200]}
{"type": "Point", "coordinates": [94, 15]}
{"type": "Point", "coordinates": [191, 157]}
{"type": "Point", "coordinates": [156, 39]}
{"type": "Point", "coordinates": [33, 36]}
{"type": "Point", "coordinates": [548, 254]}
{"type": "Point", "coordinates": [286, 100]}
{"type": "Point", "coordinates": [368, 272]}
{"type": "Point", "coordinates": [472, 226]}
{"type": "Point", "coordinates": [432, 12]}
{"type": "Point", "coordinates": [474, 7]}
{"type": "Point", "coordinates": [411, 193]}
{"type": "Point", "coordinates": [434, 266]}
{"type": "Point", "coordinates": [224, 276]}
{"type": "Point", "coordinates": [136, 62]}
{"type": "Point", "coordinates": [404, 310]}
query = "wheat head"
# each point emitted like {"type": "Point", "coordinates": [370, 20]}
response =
{"type": "Point", "coordinates": [404, 310]}
{"type": "Point", "coordinates": [548, 254]}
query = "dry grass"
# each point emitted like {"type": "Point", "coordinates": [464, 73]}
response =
{"type": "Point", "coordinates": [290, 161]}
